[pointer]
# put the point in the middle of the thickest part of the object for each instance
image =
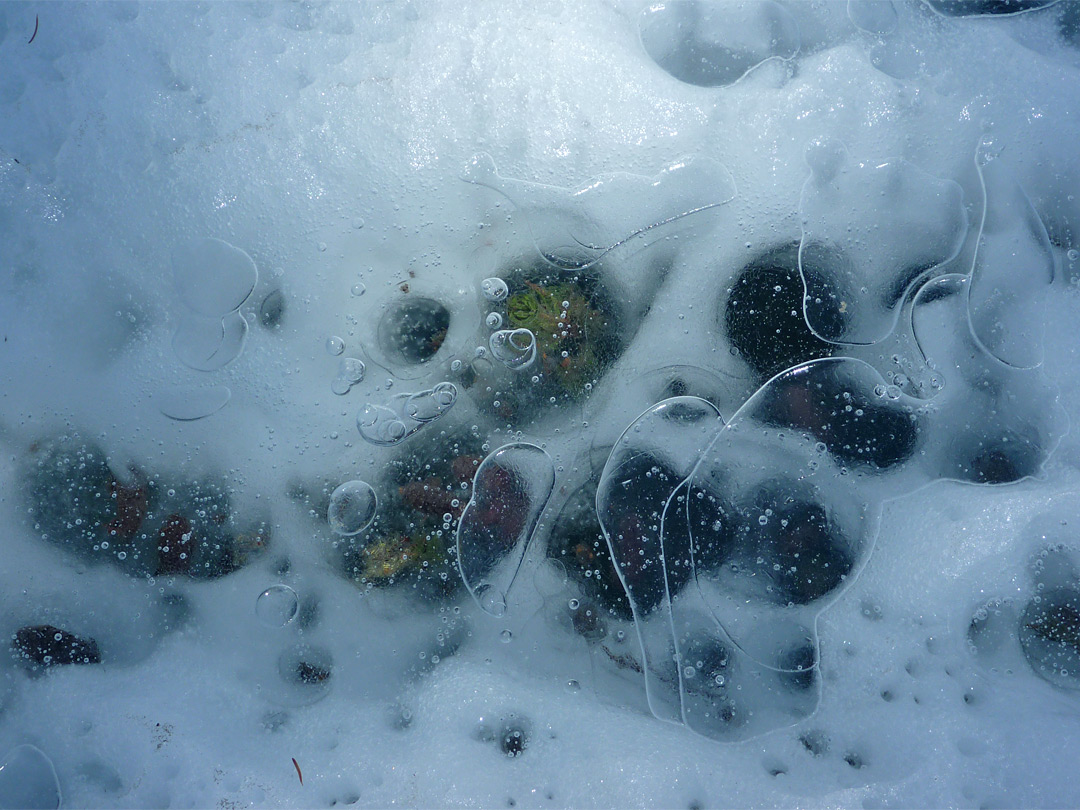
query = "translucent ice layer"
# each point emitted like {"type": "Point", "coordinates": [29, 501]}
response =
{"type": "Point", "coordinates": [28, 781]}
{"type": "Point", "coordinates": [510, 490]}
{"type": "Point", "coordinates": [405, 414]}
{"type": "Point", "coordinates": [868, 232]}
{"type": "Point", "coordinates": [577, 227]}
{"type": "Point", "coordinates": [716, 44]}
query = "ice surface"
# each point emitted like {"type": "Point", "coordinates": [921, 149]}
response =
{"type": "Point", "coordinates": [862, 600]}
{"type": "Point", "coordinates": [28, 780]}
{"type": "Point", "coordinates": [509, 493]}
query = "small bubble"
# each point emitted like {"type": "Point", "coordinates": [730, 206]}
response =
{"type": "Point", "coordinates": [494, 320]}
{"type": "Point", "coordinates": [456, 365]}
{"type": "Point", "coordinates": [573, 686]}
{"type": "Point", "coordinates": [574, 604]}
{"type": "Point", "coordinates": [506, 636]}
{"type": "Point", "coordinates": [494, 289]}
{"type": "Point", "coordinates": [358, 289]}
{"type": "Point", "coordinates": [1073, 255]}
{"type": "Point", "coordinates": [322, 247]}
{"type": "Point", "coordinates": [335, 346]}
{"type": "Point", "coordinates": [358, 223]}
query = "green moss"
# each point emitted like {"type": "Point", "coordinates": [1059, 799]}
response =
{"type": "Point", "coordinates": [574, 329]}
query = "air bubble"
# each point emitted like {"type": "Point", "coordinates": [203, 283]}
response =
{"type": "Point", "coordinates": [352, 508]}
{"type": "Point", "coordinates": [358, 290]}
{"type": "Point", "coordinates": [494, 320]}
{"type": "Point", "coordinates": [506, 636]}
{"type": "Point", "coordinates": [335, 346]}
{"type": "Point", "coordinates": [277, 606]}
{"type": "Point", "coordinates": [494, 289]}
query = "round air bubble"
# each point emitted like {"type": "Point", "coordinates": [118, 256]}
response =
{"type": "Point", "coordinates": [277, 606]}
{"type": "Point", "coordinates": [494, 289]}
{"type": "Point", "coordinates": [352, 508]}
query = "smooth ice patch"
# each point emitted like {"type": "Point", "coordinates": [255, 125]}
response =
{"type": "Point", "coordinates": [28, 781]}
{"type": "Point", "coordinates": [577, 227]}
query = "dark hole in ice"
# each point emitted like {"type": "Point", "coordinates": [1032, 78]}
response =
{"type": "Point", "coordinates": [800, 666]}
{"type": "Point", "coordinates": [272, 309]}
{"type": "Point", "coordinates": [1050, 636]}
{"type": "Point", "coordinates": [801, 550]}
{"type": "Point", "coordinates": [413, 330]}
{"type": "Point", "coordinates": [577, 541]}
{"type": "Point", "coordinates": [513, 740]}
{"type": "Point", "coordinates": [980, 8]}
{"type": "Point", "coordinates": [763, 316]}
{"type": "Point", "coordinates": [855, 426]}
{"type": "Point", "coordinates": [47, 646]}
{"type": "Point", "coordinates": [639, 508]}
{"type": "Point", "coordinates": [815, 742]}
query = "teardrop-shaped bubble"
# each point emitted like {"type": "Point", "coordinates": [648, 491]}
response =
{"type": "Point", "coordinates": [28, 781]}
{"type": "Point", "coordinates": [869, 230]}
{"type": "Point", "coordinates": [715, 44]}
{"type": "Point", "coordinates": [427, 406]}
{"type": "Point", "coordinates": [277, 606]}
{"type": "Point", "coordinates": [1012, 271]}
{"type": "Point", "coordinates": [191, 402]}
{"type": "Point", "coordinates": [510, 490]}
{"type": "Point", "coordinates": [514, 348]}
{"type": "Point", "coordinates": [352, 508]}
{"type": "Point", "coordinates": [213, 278]}
{"type": "Point", "coordinates": [646, 466]}
{"type": "Point", "coordinates": [494, 289]}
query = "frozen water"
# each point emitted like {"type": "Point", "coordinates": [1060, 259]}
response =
{"type": "Point", "coordinates": [28, 781]}
{"type": "Point", "coordinates": [352, 507]}
{"type": "Point", "coordinates": [827, 545]}
{"type": "Point", "coordinates": [509, 493]}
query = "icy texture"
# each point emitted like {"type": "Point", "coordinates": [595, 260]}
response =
{"type": "Point", "coordinates": [28, 780]}
{"type": "Point", "coordinates": [405, 414]}
{"type": "Point", "coordinates": [509, 492]}
{"type": "Point", "coordinates": [575, 228]}
{"type": "Point", "coordinates": [868, 232]}
{"type": "Point", "coordinates": [873, 16]}
{"type": "Point", "coordinates": [1013, 270]}
{"type": "Point", "coordinates": [352, 507]}
{"type": "Point", "coordinates": [716, 44]}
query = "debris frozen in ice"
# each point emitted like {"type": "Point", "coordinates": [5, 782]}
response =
{"type": "Point", "coordinates": [352, 507]}
{"type": "Point", "coordinates": [277, 606]}
{"type": "Point", "coordinates": [716, 44]}
{"type": "Point", "coordinates": [575, 228]}
{"type": "Point", "coordinates": [405, 414]}
{"type": "Point", "coordinates": [28, 780]}
{"type": "Point", "coordinates": [510, 490]}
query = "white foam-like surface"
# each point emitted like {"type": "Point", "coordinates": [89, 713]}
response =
{"type": "Point", "coordinates": [327, 143]}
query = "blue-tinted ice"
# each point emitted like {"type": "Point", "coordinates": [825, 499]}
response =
{"type": "Point", "coordinates": [510, 490]}
{"type": "Point", "coordinates": [731, 538]}
{"type": "Point", "coordinates": [28, 781]}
